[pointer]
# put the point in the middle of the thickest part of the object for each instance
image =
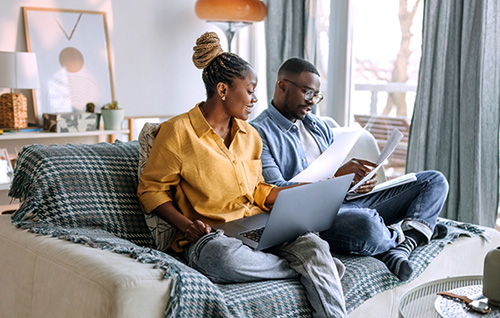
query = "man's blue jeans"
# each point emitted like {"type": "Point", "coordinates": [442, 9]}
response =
{"type": "Point", "coordinates": [361, 225]}
{"type": "Point", "coordinates": [226, 260]}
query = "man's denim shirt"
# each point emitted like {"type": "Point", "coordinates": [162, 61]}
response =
{"type": "Point", "coordinates": [283, 156]}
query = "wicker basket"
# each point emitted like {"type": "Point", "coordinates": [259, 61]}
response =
{"type": "Point", "coordinates": [13, 111]}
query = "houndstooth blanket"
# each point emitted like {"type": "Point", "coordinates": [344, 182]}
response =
{"type": "Point", "coordinates": [86, 194]}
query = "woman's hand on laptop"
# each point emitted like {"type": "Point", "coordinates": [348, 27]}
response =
{"type": "Point", "coordinates": [196, 230]}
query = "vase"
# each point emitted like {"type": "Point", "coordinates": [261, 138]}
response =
{"type": "Point", "coordinates": [491, 276]}
{"type": "Point", "coordinates": [113, 118]}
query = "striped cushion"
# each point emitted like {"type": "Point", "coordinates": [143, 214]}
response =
{"type": "Point", "coordinates": [162, 232]}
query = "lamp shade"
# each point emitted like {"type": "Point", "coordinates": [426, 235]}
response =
{"type": "Point", "coordinates": [18, 70]}
{"type": "Point", "coordinates": [231, 10]}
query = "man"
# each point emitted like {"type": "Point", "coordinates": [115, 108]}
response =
{"type": "Point", "coordinates": [293, 138]}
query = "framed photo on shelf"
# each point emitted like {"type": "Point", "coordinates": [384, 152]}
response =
{"type": "Point", "coordinates": [73, 57]}
{"type": "Point", "coordinates": [6, 170]}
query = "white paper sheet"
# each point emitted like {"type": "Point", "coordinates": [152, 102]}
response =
{"type": "Point", "coordinates": [389, 147]}
{"type": "Point", "coordinates": [327, 164]}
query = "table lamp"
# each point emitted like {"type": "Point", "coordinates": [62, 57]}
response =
{"type": "Point", "coordinates": [230, 16]}
{"type": "Point", "coordinates": [18, 70]}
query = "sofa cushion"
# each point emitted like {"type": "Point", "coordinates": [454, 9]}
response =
{"type": "Point", "coordinates": [91, 186]}
{"type": "Point", "coordinates": [162, 232]}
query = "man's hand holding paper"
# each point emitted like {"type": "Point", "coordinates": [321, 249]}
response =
{"type": "Point", "coordinates": [367, 187]}
{"type": "Point", "coordinates": [359, 167]}
{"type": "Point", "coordinates": [389, 147]}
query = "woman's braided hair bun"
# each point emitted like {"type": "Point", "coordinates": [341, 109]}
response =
{"type": "Point", "coordinates": [207, 48]}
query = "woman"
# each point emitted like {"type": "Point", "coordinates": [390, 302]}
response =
{"type": "Point", "coordinates": [204, 169]}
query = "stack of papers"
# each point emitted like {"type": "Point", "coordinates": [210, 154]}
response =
{"type": "Point", "coordinates": [328, 163]}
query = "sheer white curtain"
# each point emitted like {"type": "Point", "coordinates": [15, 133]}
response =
{"type": "Point", "coordinates": [455, 126]}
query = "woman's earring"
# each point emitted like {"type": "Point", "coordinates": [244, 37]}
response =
{"type": "Point", "coordinates": [223, 98]}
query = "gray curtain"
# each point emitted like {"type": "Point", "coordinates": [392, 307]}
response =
{"type": "Point", "coordinates": [455, 125]}
{"type": "Point", "coordinates": [285, 36]}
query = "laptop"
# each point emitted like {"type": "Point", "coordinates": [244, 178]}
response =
{"type": "Point", "coordinates": [307, 208]}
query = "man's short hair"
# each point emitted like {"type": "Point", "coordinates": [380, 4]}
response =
{"type": "Point", "coordinates": [295, 66]}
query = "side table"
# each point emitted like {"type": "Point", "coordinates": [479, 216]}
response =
{"type": "Point", "coordinates": [419, 302]}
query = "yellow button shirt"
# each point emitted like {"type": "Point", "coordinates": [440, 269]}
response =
{"type": "Point", "coordinates": [209, 182]}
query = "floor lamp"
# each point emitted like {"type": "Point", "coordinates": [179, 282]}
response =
{"type": "Point", "coordinates": [230, 16]}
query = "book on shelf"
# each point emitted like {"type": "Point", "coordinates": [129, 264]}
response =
{"type": "Point", "coordinates": [30, 128]}
{"type": "Point", "coordinates": [20, 130]}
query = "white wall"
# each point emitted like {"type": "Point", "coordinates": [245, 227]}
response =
{"type": "Point", "coordinates": [151, 47]}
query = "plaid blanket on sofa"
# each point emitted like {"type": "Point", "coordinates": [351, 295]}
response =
{"type": "Point", "coordinates": [86, 194]}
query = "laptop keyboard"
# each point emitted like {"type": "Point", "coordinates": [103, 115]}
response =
{"type": "Point", "coordinates": [254, 234]}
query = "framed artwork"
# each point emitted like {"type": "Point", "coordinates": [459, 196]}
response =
{"type": "Point", "coordinates": [6, 171]}
{"type": "Point", "coordinates": [73, 59]}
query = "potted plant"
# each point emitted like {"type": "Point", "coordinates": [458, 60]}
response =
{"type": "Point", "coordinates": [112, 116]}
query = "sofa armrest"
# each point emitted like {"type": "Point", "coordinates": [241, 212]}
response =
{"type": "Point", "coordinates": [48, 277]}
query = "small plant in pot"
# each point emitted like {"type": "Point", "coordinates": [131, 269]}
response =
{"type": "Point", "coordinates": [112, 116]}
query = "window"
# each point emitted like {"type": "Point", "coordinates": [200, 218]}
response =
{"type": "Point", "coordinates": [377, 44]}
{"type": "Point", "coordinates": [385, 59]}
{"type": "Point", "coordinates": [382, 56]}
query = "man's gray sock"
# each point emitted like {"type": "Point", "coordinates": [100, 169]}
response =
{"type": "Point", "coordinates": [396, 259]}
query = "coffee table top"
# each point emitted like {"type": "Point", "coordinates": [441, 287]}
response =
{"type": "Point", "coordinates": [422, 301]}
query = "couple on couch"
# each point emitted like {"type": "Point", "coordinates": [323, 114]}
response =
{"type": "Point", "coordinates": [209, 166]}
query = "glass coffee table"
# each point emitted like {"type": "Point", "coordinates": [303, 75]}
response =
{"type": "Point", "coordinates": [422, 301]}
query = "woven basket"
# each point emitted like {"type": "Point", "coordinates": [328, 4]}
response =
{"type": "Point", "coordinates": [13, 111]}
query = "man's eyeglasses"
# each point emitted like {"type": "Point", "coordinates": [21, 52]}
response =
{"type": "Point", "coordinates": [309, 94]}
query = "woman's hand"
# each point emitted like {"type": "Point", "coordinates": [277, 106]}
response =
{"type": "Point", "coordinates": [196, 230]}
{"type": "Point", "coordinates": [192, 230]}
{"type": "Point", "coordinates": [359, 167]}
{"type": "Point", "coordinates": [367, 186]}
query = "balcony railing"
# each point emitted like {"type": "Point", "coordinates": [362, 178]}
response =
{"type": "Point", "coordinates": [388, 87]}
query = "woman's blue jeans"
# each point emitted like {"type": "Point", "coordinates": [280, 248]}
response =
{"type": "Point", "coordinates": [361, 226]}
{"type": "Point", "coordinates": [227, 260]}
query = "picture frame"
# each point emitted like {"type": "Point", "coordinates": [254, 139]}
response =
{"type": "Point", "coordinates": [74, 60]}
{"type": "Point", "coordinates": [6, 170]}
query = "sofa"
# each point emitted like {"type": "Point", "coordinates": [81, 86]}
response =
{"type": "Point", "coordinates": [79, 246]}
